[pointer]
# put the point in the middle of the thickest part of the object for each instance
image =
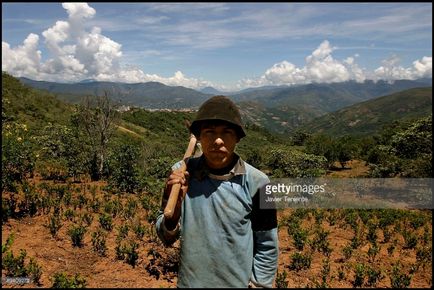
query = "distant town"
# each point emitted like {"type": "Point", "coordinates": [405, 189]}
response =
{"type": "Point", "coordinates": [124, 108]}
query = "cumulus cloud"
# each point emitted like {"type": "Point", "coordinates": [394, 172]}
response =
{"type": "Point", "coordinates": [135, 75]}
{"type": "Point", "coordinates": [25, 59]}
{"type": "Point", "coordinates": [77, 53]}
{"type": "Point", "coordinates": [321, 67]}
{"type": "Point", "coordinates": [423, 67]}
{"type": "Point", "coordinates": [390, 70]}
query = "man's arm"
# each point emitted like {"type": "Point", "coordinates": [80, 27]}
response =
{"type": "Point", "coordinates": [168, 230]}
{"type": "Point", "coordinates": [266, 245]}
{"type": "Point", "coordinates": [168, 237]}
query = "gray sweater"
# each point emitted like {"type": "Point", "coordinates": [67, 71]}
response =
{"type": "Point", "coordinates": [226, 239]}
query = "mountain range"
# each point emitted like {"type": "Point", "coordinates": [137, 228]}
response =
{"type": "Point", "coordinates": [151, 95]}
{"type": "Point", "coordinates": [279, 109]}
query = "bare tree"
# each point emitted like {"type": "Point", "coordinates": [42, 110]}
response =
{"type": "Point", "coordinates": [97, 115]}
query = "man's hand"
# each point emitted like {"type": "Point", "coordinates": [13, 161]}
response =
{"type": "Point", "coordinates": [177, 176]}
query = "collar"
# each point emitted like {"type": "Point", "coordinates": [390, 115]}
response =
{"type": "Point", "coordinates": [202, 170]}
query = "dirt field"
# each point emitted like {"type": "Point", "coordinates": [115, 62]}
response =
{"type": "Point", "coordinates": [156, 265]}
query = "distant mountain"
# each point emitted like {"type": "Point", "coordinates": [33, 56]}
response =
{"type": "Point", "coordinates": [318, 98]}
{"type": "Point", "coordinates": [276, 108]}
{"type": "Point", "coordinates": [152, 95]}
{"type": "Point", "coordinates": [370, 116]}
{"type": "Point", "coordinates": [211, 91]}
{"type": "Point", "coordinates": [87, 81]}
{"type": "Point", "coordinates": [263, 88]}
{"type": "Point", "coordinates": [325, 98]}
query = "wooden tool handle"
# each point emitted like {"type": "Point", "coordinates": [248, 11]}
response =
{"type": "Point", "coordinates": [176, 188]}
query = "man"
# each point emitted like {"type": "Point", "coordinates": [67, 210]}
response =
{"type": "Point", "coordinates": [226, 239]}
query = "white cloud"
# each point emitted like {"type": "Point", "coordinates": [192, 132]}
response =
{"type": "Point", "coordinates": [134, 75]}
{"type": "Point", "coordinates": [321, 67]}
{"type": "Point", "coordinates": [76, 54]}
{"type": "Point", "coordinates": [284, 73]}
{"type": "Point", "coordinates": [391, 70]}
{"type": "Point", "coordinates": [79, 10]}
{"type": "Point", "coordinates": [423, 67]}
{"type": "Point", "coordinates": [25, 59]}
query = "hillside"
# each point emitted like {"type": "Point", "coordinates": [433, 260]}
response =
{"type": "Point", "coordinates": [21, 103]}
{"type": "Point", "coordinates": [370, 116]}
{"type": "Point", "coordinates": [151, 95]}
{"type": "Point", "coordinates": [281, 120]}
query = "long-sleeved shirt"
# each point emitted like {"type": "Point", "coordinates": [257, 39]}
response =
{"type": "Point", "coordinates": [226, 239]}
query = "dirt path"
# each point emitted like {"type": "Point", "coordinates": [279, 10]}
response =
{"type": "Point", "coordinates": [127, 130]}
{"type": "Point", "coordinates": [353, 168]}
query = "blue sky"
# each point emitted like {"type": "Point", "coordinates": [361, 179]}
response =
{"type": "Point", "coordinates": [225, 45]}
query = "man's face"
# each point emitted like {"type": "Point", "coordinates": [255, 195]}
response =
{"type": "Point", "coordinates": [218, 144]}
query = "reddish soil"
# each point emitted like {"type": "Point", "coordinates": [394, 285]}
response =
{"type": "Point", "coordinates": [155, 264]}
{"type": "Point", "coordinates": [353, 168]}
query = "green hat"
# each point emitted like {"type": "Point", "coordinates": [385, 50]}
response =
{"type": "Point", "coordinates": [218, 108]}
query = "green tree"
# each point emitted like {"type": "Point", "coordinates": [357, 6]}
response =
{"type": "Point", "coordinates": [124, 170]}
{"type": "Point", "coordinates": [286, 162]}
{"type": "Point", "coordinates": [345, 149]}
{"type": "Point", "coordinates": [299, 137]}
{"type": "Point", "coordinates": [403, 150]}
{"type": "Point", "coordinates": [63, 150]}
{"type": "Point", "coordinates": [415, 140]}
{"type": "Point", "coordinates": [320, 144]}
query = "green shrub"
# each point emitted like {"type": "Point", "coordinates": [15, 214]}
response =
{"type": "Point", "coordinates": [35, 271]}
{"type": "Point", "coordinates": [127, 251]}
{"type": "Point", "coordinates": [124, 170]}
{"type": "Point", "coordinates": [54, 224]}
{"type": "Point", "coordinates": [374, 276]}
{"type": "Point", "coordinates": [399, 279]}
{"type": "Point", "coordinates": [300, 238]}
{"type": "Point", "coordinates": [359, 275]}
{"type": "Point", "coordinates": [281, 279]}
{"type": "Point", "coordinates": [16, 266]}
{"type": "Point", "coordinates": [122, 232]}
{"type": "Point", "coordinates": [106, 221]}
{"type": "Point", "coordinates": [410, 239]}
{"type": "Point", "coordinates": [139, 230]}
{"type": "Point", "coordinates": [99, 242]}
{"type": "Point", "coordinates": [77, 234]}
{"type": "Point", "coordinates": [320, 241]}
{"type": "Point", "coordinates": [62, 280]}
{"type": "Point", "coordinates": [130, 208]}
{"type": "Point", "coordinates": [347, 251]}
{"type": "Point", "coordinates": [18, 158]}
{"type": "Point", "coordinates": [300, 261]}
{"type": "Point", "coordinates": [87, 218]}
